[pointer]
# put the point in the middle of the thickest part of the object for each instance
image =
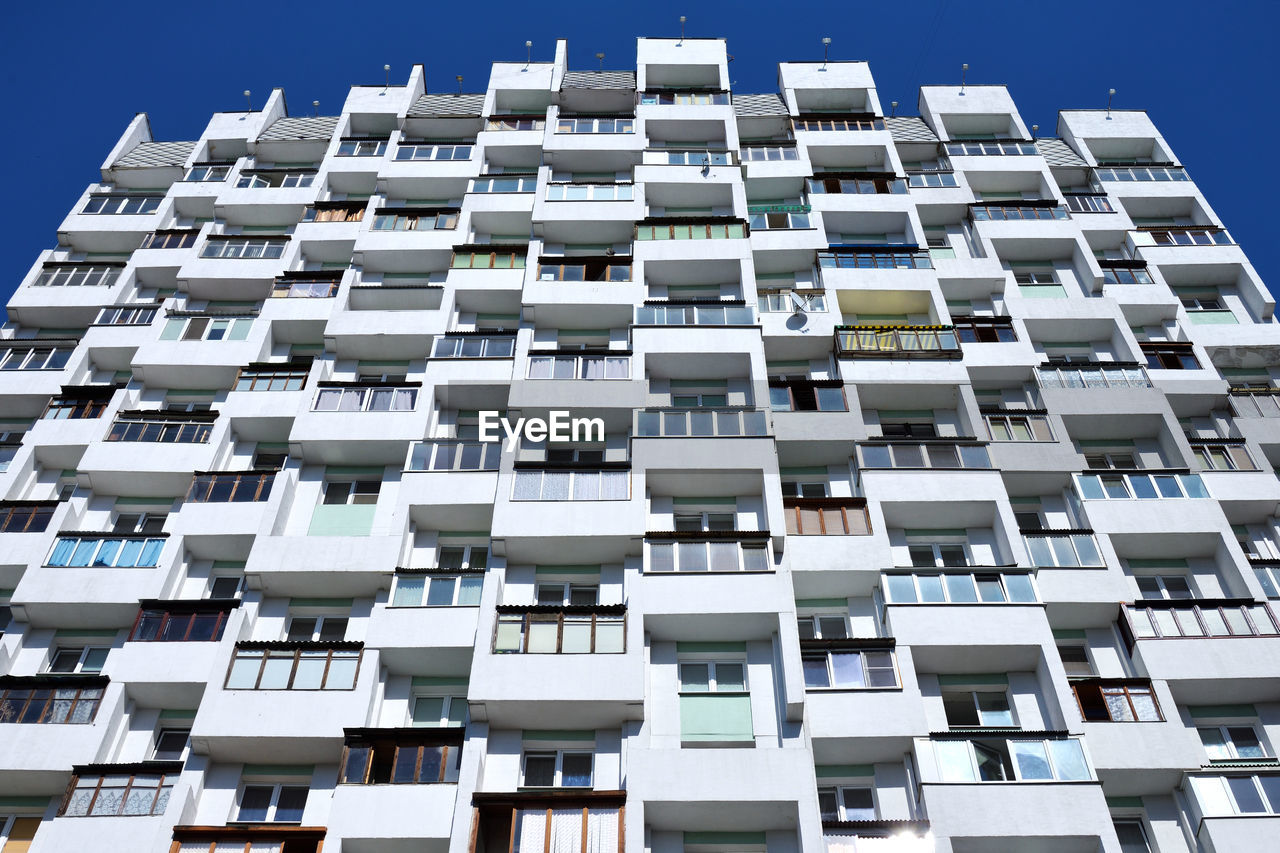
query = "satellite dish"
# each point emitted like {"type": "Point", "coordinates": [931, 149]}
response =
{"type": "Point", "coordinates": [798, 304]}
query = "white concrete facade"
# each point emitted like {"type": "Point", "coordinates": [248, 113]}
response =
{"type": "Point", "coordinates": [935, 511]}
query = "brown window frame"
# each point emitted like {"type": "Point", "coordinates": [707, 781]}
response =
{"type": "Point", "coordinates": [127, 789]}
{"type": "Point", "coordinates": [256, 482]}
{"type": "Point", "coordinates": [533, 615]}
{"type": "Point", "coordinates": [448, 752]}
{"type": "Point", "coordinates": [519, 260]}
{"type": "Point", "coordinates": [833, 516]}
{"type": "Point", "coordinates": [43, 718]}
{"type": "Point", "coordinates": [296, 653]}
{"type": "Point", "coordinates": [1104, 689]}
{"type": "Point", "coordinates": [335, 212]}
{"type": "Point", "coordinates": [176, 239]}
{"type": "Point", "coordinates": [1236, 453]}
{"type": "Point", "coordinates": [167, 616]}
{"type": "Point", "coordinates": [25, 518]}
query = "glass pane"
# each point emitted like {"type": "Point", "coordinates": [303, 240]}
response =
{"type": "Point", "coordinates": [1068, 760]}
{"type": "Point", "coordinates": [1032, 761]}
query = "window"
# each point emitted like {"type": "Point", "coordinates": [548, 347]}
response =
{"type": "Point", "coordinates": [1170, 357]}
{"type": "Point", "coordinates": [1020, 427]}
{"type": "Point", "coordinates": [514, 123]}
{"type": "Point", "coordinates": [1142, 173]}
{"type": "Point", "coordinates": [362, 147]}
{"type": "Point", "coordinates": [125, 316]}
{"type": "Point", "coordinates": [20, 357]}
{"type": "Point", "coordinates": [963, 588]}
{"type": "Point", "coordinates": [676, 157]}
{"type": "Point", "coordinates": [170, 240]}
{"type": "Point", "coordinates": [823, 627]}
{"type": "Point", "coordinates": [704, 521]}
{"type": "Point", "coordinates": [576, 630]}
{"type": "Point", "coordinates": [226, 587]}
{"type": "Point", "coordinates": [1009, 760]}
{"type": "Point", "coordinates": [1232, 743]}
{"type": "Point", "coordinates": [864, 185]}
{"type": "Point", "coordinates": [334, 211]}
{"type": "Point", "coordinates": [907, 342]}
{"type": "Point", "coordinates": [351, 492]}
{"type": "Point", "coordinates": [244, 247]}
{"type": "Point", "coordinates": [579, 366]}
{"type": "Point", "coordinates": [449, 455]}
{"type": "Point", "coordinates": [427, 151]}
{"type": "Point", "coordinates": [808, 396]}
{"type": "Point", "coordinates": [562, 593]}
{"type": "Point", "coordinates": [474, 346]}
{"type": "Point", "coordinates": [769, 153]}
{"type": "Point", "coordinates": [983, 708]}
{"type": "Point", "coordinates": [790, 300]}
{"type": "Point", "coordinates": [25, 518]}
{"type": "Point", "coordinates": [685, 98]}
{"type": "Point", "coordinates": [584, 269]}
{"type": "Point", "coordinates": [286, 668]}
{"type": "Point", "coordinates": [939, 554]}
{"type": "Point", "coordinates": [907, 258]}
{"type": "Point", "coordinates": [271, 804]}
{"type": "Point", "coordinates": [275, 178]}
{"type": "Point", "coordinates": [932, 179]}
{"type": "Point", "coordinates": [127, 205]}
{"type": "Point", "coordinates": [203, 172]}
{"type": "Point", "coordinates": [850, 669]}
{"type": "Point", "coordinates": [834, 124]}
{"type": "Point", "coordinates": [988, 148]}
{"type": "Point", "coordinates": [978, 330]}
{"type": "Point", "coordinates": [504, 184]}
{"type": "Point", "coordinates": [206, 329]}
{"type": "Point", "coordinates": [230, 487]}
{"type": "Point", "coordinates": [1063, 549]}
{"type": "Point", "coordinates": [139, 522]}
{"type": "Point", "coordinates": [693, 315]}
{"type": "Point", "coordinates": [1223, 455]}
{"type": "Point", "coordinates": [826, 517]}
{"type": "Point", "coordinates": [763, 218]}
{"type": "Point", "coordinates": [69, 408]}
{"type": "Point", "coordinates": [1227, 795]}
{"type": "Point", "coordinates": [557, 769]}
{"type": "Point", "coordinates": [1165, 587]}
{"type": "Point", "coordinates": [800, 489]}
{"type": "Point", "coordinates": [533, 485]}
{"type": "Point", "coordinates": [365, 399]}
{"type": "Point", "coordinates": [1109, 701]}
{"type": "Point", "coordinates": [726, 555]}
{"type": "Point", "coordinates": [397, 760]}
{"type": "Point", "coordinates": [272, 379]}
{"type": "Point", "coordinates": [1125, 275]}
{"type": "Point", "coordinates": [171, 744]}
{"type": "Point", "coordinates": [139, 428]}
{"type": "Point", "coordinates": [1075, 659]}
{"type": "Point", "coordinates": [696, 231]}
{"type": "Point", "coordinates": [1011, 212]}
{"type": "Point", "coordinates": [574, 124]}
{"type": "Point", "coordinates": [304, 288]}
{"type": "Point", "coordinates": [432, 221]}
{"type": "Point", "coordinates": [77, 275]}
{"type": "Point", "coordinates": [846, 803]}
{"type": "Point", "coordinates": [46, 703]}
{"type": "Point", "coordinates": [1182, 237]}
{"type": "Point", "coordinates": [323, 629]}
{"type": "Point", "coordinates": [1140, 486]}
{"type": "Point", "coordinates": [1133, 838]}
{"type": "Point", "coordinates": [179, 626]}
{"type": "Point", "coordinates": [85, 659]}
{"type": "Point", "coordinates": [1096, 376]}
{"type": "Point", "coordinates": [589, 192]}
{"type": "Point", "coordinates": [437, 590]}
{"type": "Point", "coordinates": [438, 711]}
{"type": "Point", "coordinates": [119, 794]}
{"type": "Point", "coordinates": [1157, 620]}
{"type": "Point", "coordinates": [715, 703]}
{"type": "Point", "coordinates": [1088, 203]}
{"type": "Point", "coordinates": [104, 550]}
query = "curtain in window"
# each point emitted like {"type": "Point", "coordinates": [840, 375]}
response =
{"type": "Point", "coordinates": [602, 831]}
{"type": "Point", "coordinates": [532, 831]}
{"type": "Point", "coordinates": [566, 831]}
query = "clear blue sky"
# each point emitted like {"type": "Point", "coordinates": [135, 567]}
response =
{"type": "Point", "coordinates": [75, 73]}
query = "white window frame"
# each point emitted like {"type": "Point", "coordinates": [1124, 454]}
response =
{"type": "Point", "coordinates": [214, 580]}
{"type": "Point", "coordinates": [449, 704]}
{"type": "Point", "coordinates": [525, 477]}
{"type": "Point", "coordinates": [976, 695]}
{"type": "Point", "coordinates": [816, 621]}
{"type": "Point", "coordinates": [866, 670]}
{"type": "Point", "coordinates": [276, 789]}
{"type": "Point", "coordinates": [1162, 586]}
{"type": "Point", "coordinates": [1001, 575]}
{"type": "Point", "coordinates": [434, 152]}
{"type": "Point", "coordinates": [77, 275]}
{"type": "Point", "coordinates": [84, 661]}
{"type": "Point", "coordinates": [838, 791]}
{"type": "Point", "coordinates": [1088, 660]}
{"type": "Point", "coordinates": [938, 547]}
{"type": "Point", "coordinates": [161, 732]}
{"type": "Point", "coordinates": [712, 664]}
{"type": "Point", "coordinates": [353, 497]}
{"type": "Point", "coordinates": [429, 582]}
{"type": "Point", "coordinates": [1228, 740]}
{"type": "Point", "coordinates": [321, 620]}
{"type": "Point", "coordinates": [611, 365]}
{"type": "Point", "coordinates": [566, 590]}
{"type": "Point", "coordinates": [504, 346]}
{"type": "Point", "coordinates": [367, 396]}
{"type": "Point", "coordinates": [247, 248]}
{"type": "Point", "coordinates": [357, 148]}
{"type": "Point", "coordinates": [559, 756]}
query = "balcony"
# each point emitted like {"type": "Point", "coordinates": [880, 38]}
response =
{"type": "Point", "coordinates": [897, 342]}
{"type": "Point", "coordinates": [521, 821]}
{"type": "Point", "coordinates": [701, 423]}
{"type": "Point", "coordinates": [1209, 650]}
{"type": "Point", "coordinates": [928, 454]}
{"type": "Point", "coordinates": [259, 839]}
{"type": "Point", "coordinates": [45, 718]}
{"type": "Point", "coordinates": [859, 257]}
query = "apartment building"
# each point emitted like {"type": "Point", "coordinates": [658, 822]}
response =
{"type": "Point", "coordinates": [934, 508]}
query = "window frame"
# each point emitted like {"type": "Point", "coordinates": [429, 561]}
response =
{"type": "Point", "coordinates": [277, 790]}
{"type": "Point", "coordinates": [558, 755]}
